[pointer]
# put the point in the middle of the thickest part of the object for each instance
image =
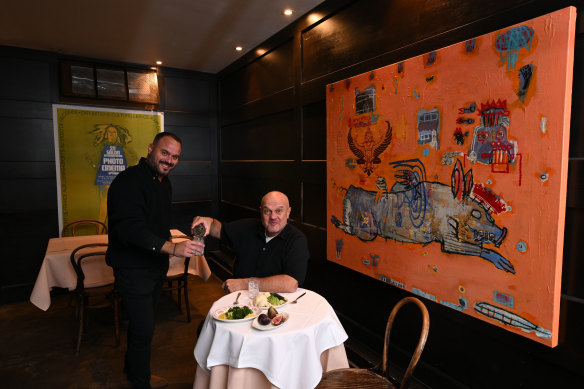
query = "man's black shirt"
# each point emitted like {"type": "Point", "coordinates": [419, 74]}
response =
{"type": "Point", "coordinates": [139, 218]}
{"type": "Point", "coordinates": [287, 253]}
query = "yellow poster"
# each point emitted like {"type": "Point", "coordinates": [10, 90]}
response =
{"type": "Point", "coordinates": [92, 145]}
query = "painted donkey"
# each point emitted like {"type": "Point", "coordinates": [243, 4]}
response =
{"type": "Point", "coordinates": [421, 212]}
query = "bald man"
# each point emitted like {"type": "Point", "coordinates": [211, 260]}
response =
{"type": "Point", "coordinates": [269, 249]}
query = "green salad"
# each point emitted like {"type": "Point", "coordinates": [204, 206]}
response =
{"type": "Point", "coordinates": [236, 313]}
{"type": "Point", "coordinates": [276, 299]}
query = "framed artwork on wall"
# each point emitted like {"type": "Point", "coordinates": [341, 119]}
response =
{"type": "Point", "coordinates": [92, 145]}
{"type": "Point", "coordinates": [447, 173]}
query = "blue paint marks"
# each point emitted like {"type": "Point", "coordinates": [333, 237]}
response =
{"type": "Point", "coordinates": [416, 95]}
{"type": "Point", "coordinates": [431, 58]}
{"type": "Point", "coordinates": [462, 304]}
{"type": "Point", "coordinates": [350, 163]}
{"type": "Point", "coordinates": [400, 67]}
{"type": "Point", "coordinates": [426, 152]}
{"type": "Point", "coordinates": [522, 247]}
{"type": "Point", "coordinates": [470, 45]}
{"type": "Point", "coordinates": [509, 43]}
{"type": "Point", "coordinates": [503, 298]}
{"type": "Point", "coordinates": [424, 294]}
{"type": "Point", "coordinates": [339, 247]}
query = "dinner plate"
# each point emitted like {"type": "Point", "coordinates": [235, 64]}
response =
{"type": "Point", "coordinates": [275, 306]}
{"type": "Point", "coordinates": [270, 326]}
{"type": "Point", "coordinates": [256, 312]}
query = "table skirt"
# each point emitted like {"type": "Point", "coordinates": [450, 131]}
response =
{"type": "Point", "coordinates": [227, 377]}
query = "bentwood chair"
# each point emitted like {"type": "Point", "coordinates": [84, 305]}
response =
{"type": "Point", "coordinates": [92, 297]}
{"type": "Point", "coordinates": [84, 227]}
{"type": "Point", "coordinates": [364, 378]}
{"type": "Point", "coordinates": [182, 286]}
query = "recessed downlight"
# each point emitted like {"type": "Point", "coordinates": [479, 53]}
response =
{"type": "Point", "coordinates": [287, 12]}
{"type": "Point", "coordinates": [238, 48]}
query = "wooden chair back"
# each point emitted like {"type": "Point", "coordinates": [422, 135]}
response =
{"type": "Point", "coordinates": [83, 226]}
{"type": "Point", "coordinates": [83, 293]}
{"type": "Point", "coordinates": [421, 341]}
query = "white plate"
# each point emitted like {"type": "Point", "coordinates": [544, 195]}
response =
{"type": "Point", "coordinates": [270, 326]}
{"type": "Point", "coordinates": [275, 306]}
{"type": "Point", "coordinates": [256, 312]}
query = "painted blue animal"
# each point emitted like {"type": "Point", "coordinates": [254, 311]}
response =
{"type": "Point", "coordinates": [421, 212]}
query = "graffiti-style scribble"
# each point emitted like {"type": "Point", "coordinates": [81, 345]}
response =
{"type": "Point", "coordinates": [420, 292]}
{"type": "Point", "coordinates": [429, 127]}
{"type": "Point", "coordinates": [510, 319]}
{"type": "Point", "coordinates": [470, 45]}
{"type": "Point", "coordinates": [373, 260]}
{"type": "Point", "coordinates": [339, 247]}
{"type": "Point", "coordinates": [449, 157]}
{"type": "Point", "coordinates": [490, 144]}
{"type": "Point", "coordinates": [400, 67]}
{"type": "Point", "coordinates": [491, 201]}
{"type": "Point", "coordinates": [465, 120]}
{"type": "Point", "coordinates": [509, 43]}
{"type": "Point", "coordinates": [369, 149]}
{"type": "Point", "coordinates": [459, 136]}
{"type": "Point", "coordinates": [418, 211]}
{"type": "Point", "coordinates": [470, 109]}
{"type": "Point", "coordinates": [391, 281]}
{"type": "Point", "coordinates": [503, 298]}
{"type": "Point", "coordinates": [525, 74]}
{"type": "Point", "coordinates": [462, 304]}
{"type": "Point", "coordinates": [365, 102]}
{"type": "Point", "coordinates": [430, 58]}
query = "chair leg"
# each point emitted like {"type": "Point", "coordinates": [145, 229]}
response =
{"type": "Point", "coordinates": [187, 306]}
{"type": "Point", "coordinates": [180, 284]}
{"type": "Point", "coordinates": [81, 306]}
{"type": "Point", "coordinates": [116, 318]}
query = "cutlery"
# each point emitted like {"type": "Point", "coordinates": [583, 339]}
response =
{"type": "Point", "coordinates": [294, 302]}
{"type": "Point", "coordinates": [237, 298]}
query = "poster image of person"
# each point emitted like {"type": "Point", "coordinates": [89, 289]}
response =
{"type": "Point", "coordinates": [111, 154]}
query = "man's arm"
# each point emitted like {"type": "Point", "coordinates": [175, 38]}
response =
{"type": "Point", "coordinates": [278, 283]}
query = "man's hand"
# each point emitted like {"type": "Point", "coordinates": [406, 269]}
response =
{"type": "Point", "coordinates": [206, 221]}
{"type": "Point", "coordinates": [233, 284]}
{"type": "Point", "coordinates": [188, 248]}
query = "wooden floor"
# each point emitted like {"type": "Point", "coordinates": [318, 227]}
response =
{"type": "Point", "coordinates": [37, 349]}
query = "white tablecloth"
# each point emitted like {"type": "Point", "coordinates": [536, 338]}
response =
{"type": "Point", "coordinates": [289, 356]}
{"type": "Point", "coordinates": [57, 271]}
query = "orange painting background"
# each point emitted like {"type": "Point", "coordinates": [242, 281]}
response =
{"type": "Point", "coordinates": [536, 206]}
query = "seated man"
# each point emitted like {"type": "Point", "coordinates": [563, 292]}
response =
{"type": "Point", "coordinates": [271, 249]}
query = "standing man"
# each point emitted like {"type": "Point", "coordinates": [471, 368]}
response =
{"type": "Point", "coordinates": [269, 249]}
{"type": "Point", "coordinates": [138, 205]}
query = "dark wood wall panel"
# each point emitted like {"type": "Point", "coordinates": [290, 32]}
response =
{"type": "Point", "coordinates": [263, 138]}
{"type": "Point", "coordinates": [360, 36]}
{"type": "Point", "coordinates": [314, 131]}
{"type": "Point", "coordinates": [314, 193]}
{"type": "Point", "coordinates": [24, 78]}
{"type": "Point", "coordinates": [39, 139]}
{"type": "Point", "coordinates": [257, 79]}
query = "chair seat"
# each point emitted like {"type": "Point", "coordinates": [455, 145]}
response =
{"type": "Point", "coordinates": [356, 378]}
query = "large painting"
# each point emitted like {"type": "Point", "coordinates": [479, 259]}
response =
{"type": "Point", "coordinates": [92, 146]}
{"type": "Point", "coordinates": [446, 174]}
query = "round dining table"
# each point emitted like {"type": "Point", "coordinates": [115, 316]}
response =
{"type": "Point", "coordinates": [244, 354]}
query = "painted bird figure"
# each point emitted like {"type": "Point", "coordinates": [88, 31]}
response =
{"type": "Point", "coordinates": [369, 150]}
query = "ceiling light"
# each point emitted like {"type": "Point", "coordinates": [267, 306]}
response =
{"type": "Point", "coordinates": [238, 48]}
{"type": "Point", "coordinates": [158, 62]}
{"type": "Point", "coordinates": [287, 12]}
